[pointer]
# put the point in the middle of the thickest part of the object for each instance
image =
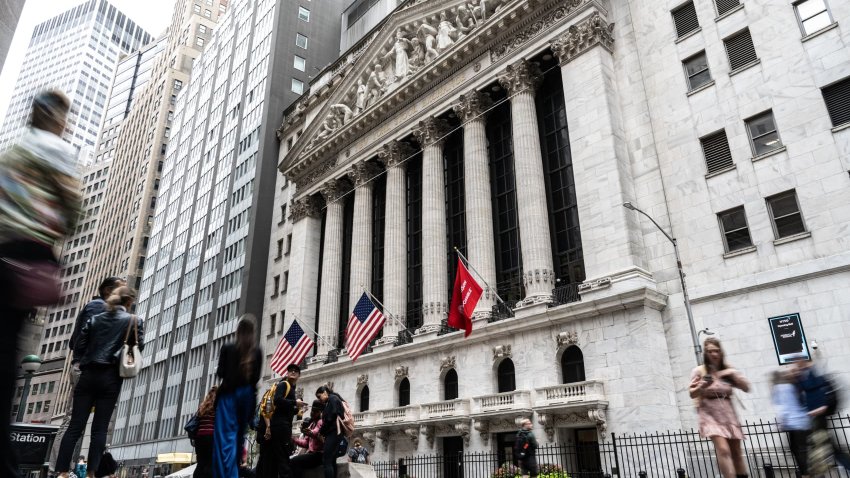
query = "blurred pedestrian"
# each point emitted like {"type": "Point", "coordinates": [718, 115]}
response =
{"type": "Point", "coordinates": [312, 441]}
{"type": "Point", "coordinates": [712, 386]}
{"type": "Point", "coordinates": [820, 395]}
{"type": "Point", "coordinates": [204, 437]}
{"type": "Point", "coordinates": [39, 205]}
{"type": "Point", "coordinates": [792, 416]}
{"type": "Point", "coordinates": [239, 367]}
{"type": "Point", "coordinates": [525, 449]}
{"type": "Point", "coordinates": [334, 411]}
{"type": "Point", "coordinates": [276, 426]}
{"type": "Point", "coordinates": [97, 350]}
{"type": "Point", "coordinates": [358, 453]}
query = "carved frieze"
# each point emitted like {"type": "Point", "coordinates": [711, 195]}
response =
{"type": "Point", "coordinates": [307, 206]}
{"type": "Point", "coordinates": [521, 76]}
{"type": "Point", "coordinates": [582, 37]}
{"type": "Point", "coordinates": [400, 372]}
{"type": "Point", "coordinates": [307, 179]}
{"type": "Point", "coordinates": [363, 172]}
{"type": "Point", "coordinates": [395, 153]}
{"type": "Point", "coordinates": [448, 363]}
{"type": "Point", "coordinates": [565, 339]}
{"type": "Point", "coordinates": [362, 380]}
{"type": "Point", "coordinates": [333, 189]}
{"type": "Point", "coordinates": [536, 276]}
{"type": "Point", "coordinates": [537, 28]}
{"type": "Point", "coordinates": [472, 105]}
{"type": "Point", "coordinates": [431, 131]}
{"type": "Point", "coordinates": [502, 352]}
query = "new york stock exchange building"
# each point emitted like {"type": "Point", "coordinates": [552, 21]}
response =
{"type": "Point", "coordinates": [514, 131]}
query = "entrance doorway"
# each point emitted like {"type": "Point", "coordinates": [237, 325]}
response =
{"type": "Point", "coordinates": [587, 450]}
{"type": "Point", "coordinates": [453, 453]}
{"type": "Point", "coordinates": [505, 447]}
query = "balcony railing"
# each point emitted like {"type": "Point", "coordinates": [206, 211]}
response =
{"type": "Point", "coordinates": [406, 414]}
{"type": "Point", "coordinates": [516, 400]}
{"type": "Point", "coordinates": [451, 408]}
{"type": "Point", "coordinates": [565, 294]}
{"type": "Point", "coordinates": [364, 419]}
{"type": "Point", "coordinates": [570, 393]}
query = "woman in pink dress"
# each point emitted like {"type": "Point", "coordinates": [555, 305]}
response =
{"type": "Point", "coordinates": [712, 387]}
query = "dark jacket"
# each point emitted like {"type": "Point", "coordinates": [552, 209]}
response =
{"type": "Point", "coordinates": [814, 389]}
{"type": "Point", "coordinates": [530, 439]}
{"type": "Point", "coordinates": [95, 307]}
{"type": "Point", "coordinates": [285, 407]}
{"type": "Point", "coordinates": [102, 338]}
{"type": "Point", "coordinates": [230, 371]}
{"type": "Point", "coordinates": [333, 410]}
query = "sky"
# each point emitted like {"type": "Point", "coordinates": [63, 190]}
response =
{"type": "Point", "coordinates": [152, 15]}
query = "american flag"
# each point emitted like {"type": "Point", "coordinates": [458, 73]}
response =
{"type": "Point", "coordinates": [363, 325]}
{"type": "Point", "coordinates": [293, 347]}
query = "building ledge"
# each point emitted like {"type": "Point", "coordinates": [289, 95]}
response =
{"type": "Point", "coordinates": [701, 88]}
{"type": "Point", "coordinates": [730, 12]}
{"type": "Point", "coordinates": [739, 252]}
{"type": "Point", "coordinates": [768, 154]}
{"type": "Point", "coordinates": [840, 127]}
{"type": "Point", "coordinates": [795, 237]}
{"type": "Point", "coordinates": [688, 35]}
{"type": "Point", "coordinates": [720, 171]}
{"type": "Point", "coordinates": [744, 67]}
{"type": "Point", "coordinates": [820, 32]}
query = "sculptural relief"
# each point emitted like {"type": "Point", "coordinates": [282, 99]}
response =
{"type": "Point", "coordinates": [446, 34]}
{"type": "Point", "coordinates": [401, 65]}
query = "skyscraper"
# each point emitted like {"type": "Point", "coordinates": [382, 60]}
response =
{"type": "Point", "coordinates": [11, 12]}
{"type": "Point", "coordinates": [77, 52]}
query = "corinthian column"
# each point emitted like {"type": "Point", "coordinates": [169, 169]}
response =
{"type": "Point", "coordinates": [361, 175]}
{"type": "Point", "coordinates": [429, 133]}
{"type": "Point", "coordinates": [521, 79]}
{"type": "Point", "coordinates": [304, 259]}
{"type": "Point", "coordinates": [329, 302]}
{"type": "Point", "coordinates": [479, 209]}
{"type": "Point", "coordinates": [395, 239]}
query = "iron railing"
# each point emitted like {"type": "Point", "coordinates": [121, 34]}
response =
{"type": "Point", "coordinates": [565, 294]}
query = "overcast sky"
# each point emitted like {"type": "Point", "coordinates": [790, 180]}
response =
{"type": "Point", "coordinates": [152, 15]}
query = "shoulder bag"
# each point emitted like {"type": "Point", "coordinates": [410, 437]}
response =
{"type": "Point", "coordinates": [130, 356]}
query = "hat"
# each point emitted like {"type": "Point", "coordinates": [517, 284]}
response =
{"type": "Point", "coordinates": [293, 368]}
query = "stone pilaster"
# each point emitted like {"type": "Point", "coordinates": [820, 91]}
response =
{"type": "Point", "coordinates": [393, 156]}
{"type": "Point", "coordinates": [429, 133]}
{"type": "Point", "coordinates": [521, 79]}
{"type": "Point", "coordinates": [332, 190]}
{"type": "Point", "coordinates": [361, 175]}
{"type": "Point", "coordinates": [304, 259]}
{"type": "Point", "coordinates": [481, 252]}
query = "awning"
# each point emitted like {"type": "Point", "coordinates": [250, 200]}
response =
{"type": "Point", "coordinates": [184, 473]}
{"type": "Point", "coordinates": [174, 458]}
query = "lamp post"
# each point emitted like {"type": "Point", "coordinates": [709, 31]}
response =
{"type": "Point", "coordinates": [694, 337]}
{"type": "Point", "coordinates": [30, 364]}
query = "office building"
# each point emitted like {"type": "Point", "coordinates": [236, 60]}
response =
{"type": "Point", "coordinates": [11, 12]}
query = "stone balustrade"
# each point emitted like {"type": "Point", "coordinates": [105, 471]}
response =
{"type": "Point", "coordinates": [396, 415]}
{"type": "Point", "coordinates": [591, 390]}
{"type": "Point", "coordinates": [451, 408]}
{"type": "Point", "coordinates": [515, 400]}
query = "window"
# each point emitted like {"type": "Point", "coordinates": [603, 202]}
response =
{"type": "Point", "coordinates": [279, 249]}
{"type": "Point", "coordinates": [207, 13]}
{"type": "Point", "coordinates": [506, 378]}
{"type": "Point", "coordinates": [272, 321]}
{"type": "Point", "coordinates": [763, 135]}
{"type": "Point", "coordinates": [736, 233]}
{"type": "Point", "coordinates": [740, 50]}
{"type": "Point", "coordinates": [285, 281]}
{"type": "Point", "coordinates": [715, 148]}
{"type": "Point", "coordinates": [282, 214]}
{"type": "Point", "coordinates": [196, 8]}
{"type": "Point", "coordinates": [685, 19]}
{"type": "Point", "coordinates": [785, 214]}
{"type": "Point", "coordinates": [276, 286]}
{"type": "Point", "coordinates": [199, 42]}
{"type": "Point", "coordinates": [202, 29]}
{"type": "Point", "coordinates": [572, 365]}
{"type": "Point", "coordinates": [301, 40]}
{"type": "Point", "coordinates": [726, 6]}
{"type": "Point", "coordinates": [299, 63]}
{"type": "Point", "coordinates": [364, 399]}
{"type": "Point", "coordinates": [297, 86]}
{"type": "Point", "coordinates": [696, 69]}
{"type": "Point", "coordinates": [837, 99]}
{"type": "Point", "coordinates": [404, 392]}
{"type": "Point", "coordinates": [303, 14]}
{"type": "Point", "coordinates": [450, 389]}
{"type": "Point", "coordinates": [288, 244]}
{"type": "Point", "coordinates": [813, 15]}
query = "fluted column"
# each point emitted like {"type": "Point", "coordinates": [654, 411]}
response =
{"type": "Point", "coordinates": [361, 175]}
{"type": "Point", "coordinates": [478, 199]}
{"type": "Point", "coordinates": [429, 133]}
{"type": "Point", "coordinates": [395, 238]}
{"type": "Point", "coordinates": [329, 302]}
{"type": "Point", "coordinates": [521, 79]}
{"type": "Point", "coordinates": [304, 259]}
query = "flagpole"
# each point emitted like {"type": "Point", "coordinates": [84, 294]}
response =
{"type": "Point", "coordinates": [310, 329]}
{"type": "Point", "coordinates": [495, 293]}
{"type": "Point", "coordinates": [403, 327]}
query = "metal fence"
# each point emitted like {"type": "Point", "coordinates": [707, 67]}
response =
{"type": "Point", "coordinates": [676, 454]}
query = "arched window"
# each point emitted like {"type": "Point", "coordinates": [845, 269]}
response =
{"type": "Point", "coordinates": [507, 382]}
{"type": "Point", "coordinates": [572, 365]}
{"type": "Point", "coordinates": [404, 393]}
{"type": "Point", "coordinates": [450, 385]}
{"type": "Point", "coordinates": [364, 398]}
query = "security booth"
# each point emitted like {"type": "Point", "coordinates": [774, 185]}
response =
{"type": "Point", "coordinates": [31, 444]}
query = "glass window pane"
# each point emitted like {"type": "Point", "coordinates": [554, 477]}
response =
{"type": "Point", "coordinates": [766, 143]}
{"type": "Point", "coordinates": [696, 64]}
{"type": "Point", "coordinates": [738, 240]}
{"type": "Point", "coordinates": [810, 8]}
{"type": "Point", "coordinates": [700, 79]}
{"type": "Point", "coordinates": [817, 22]}
{"type": "Point", "coordinates": [789, 225]}
{"type": "Point", "coordinates": [784, 205]}
{"type": "Point", "coordinates": [761, 125]}
{"type": "Point", "coordinates": [300, 63]}
{"type": "Point", "coordinates": [733, 220]}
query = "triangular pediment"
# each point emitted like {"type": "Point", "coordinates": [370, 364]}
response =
{"type": "Point", "coordinates": [406, 54]}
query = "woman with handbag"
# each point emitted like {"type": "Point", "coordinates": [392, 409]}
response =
{"type": "Point", "coordinates": [204, 436]}
{"type": "Point", "coordinates": [39, 204]}
{"type": "Point", "coordinates": [108, 350]}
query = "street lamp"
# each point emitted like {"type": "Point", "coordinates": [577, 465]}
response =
{"type": "Point", "coordinates": [30, 364]}
{"type": "Point", "coordinates": [694, 336]}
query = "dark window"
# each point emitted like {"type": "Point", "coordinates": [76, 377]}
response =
{"type": "Point", "coordinates": [414, 241]}
{"type": "Point", "coordinates": [560, 184]}
{"type": "Point", "coordinates": [763, 135]}
{"type": "Point", "coordinates": [450, 385]}
{"type": "Point", "coordinates": [507, 381]}
{"type": "Point", "coordinates": [736, 233]}
{"type": "Point", "coordinates": [503, 189]}
{"type": "Point", "coordinates": [685, 18]}
{"type": "Point", "coordinates": [837, 99]}
{"type": "Point", "coordinates": [455, 208]}
{"type": "Point", "coordinates": [725, 6]}
{"type": "Point", "coordinates": [347, 227]}
{"type": "Point", "coordinates": [696, 69]}
{"type": "Point", "coordinates": [404, 393]}
{"type": "Point", "coordinates": [813, 15]}
{"type": "Point", "coordinates": [740, 50]}
{"type": "Point", "coordinates": [572, 365]}
{"type": "Point", "coordinates": [785, 214]}
{"type": "Point", "coordinates": [715, 148]}
{"type": "Point", "coordinates": [364, 398]}
{"type": "Point", "coordinates": [379, 206]}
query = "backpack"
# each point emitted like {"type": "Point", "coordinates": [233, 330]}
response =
{"type": "Point", "coordinates": [345, 423]}
{"type": "Point", "coordinates": [266, 407]}
{"type": "Point", "coordinates": [192, 426]}
{"type": "Point", "coordinates": [521, 445]}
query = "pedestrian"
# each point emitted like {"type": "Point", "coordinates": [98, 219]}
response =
{"type": "Point", "coordinates": [792, 416]}
{"type": "Point", "coordinates": [712, 386]}
{"type": "Point", "coordinates": [204, 437]}
{"type": "Point", "coordinates": [80, 467]}
{"type": "Point", "coordinates": [239, 366]}
{"type": "Point", "coordinates": [358, 453]}
{"type": "Point", "coordinates": [279, 406]}
{"type": "Point", "coordinates": [95, 307]}
{"type": "Point", "coordinates": [39, 204]}
{"type": "Point", "coordinates": [525, 449]}
{"type": "Point", "coordinates": [97, 350]}
{"type": "Point", "coordinates": [819, 396]}
{"type": "Point", "coordinates": [334, 410]}
{"type": "Point", "coordinates": [312, 442]}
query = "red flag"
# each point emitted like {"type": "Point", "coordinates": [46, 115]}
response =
{"type": "Point", "coordinates": [464, 299]}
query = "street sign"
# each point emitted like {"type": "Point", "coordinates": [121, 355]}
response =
{"type": "Point", "coordinates": [789, 339]}
{"type": "Point", "coordinates": [31, 444]}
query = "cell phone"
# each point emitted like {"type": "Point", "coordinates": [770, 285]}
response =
{"type": "Point", "coordinates": [708, 378]}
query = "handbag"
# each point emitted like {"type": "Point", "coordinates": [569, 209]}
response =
{"type": "Point", "coordinates": [36, 283]}
{"type": "Point", "coordinates": [108, 466]}
{"type": "Point", "coordinates": [192, 426]}
{"type": "Point", "coordinates": [130, 363]}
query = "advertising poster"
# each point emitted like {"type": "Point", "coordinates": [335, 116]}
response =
{"type": "Point", "coordinates": [789, 340]}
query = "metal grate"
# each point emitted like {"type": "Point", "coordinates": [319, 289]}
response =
{"type": "Point", "coordinates": [725, 6]}
{"type": "Point", "coordinates": [740, 50]}
{"type": "Point", "coordinates": [685, 18]}
{"type": "Point", "coordinates": [837, 99]}
{"type": "Point", "coordinates": [715, 147]}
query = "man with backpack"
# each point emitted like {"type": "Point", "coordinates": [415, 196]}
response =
{"type": "Point", "coordinates": [525, 449]}
{"type": "Point", "coordinates": [277, 409]}
{"type": "Point", "coordinates": [820, 395]}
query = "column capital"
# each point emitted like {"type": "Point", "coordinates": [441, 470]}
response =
{"type": "Point", "coordinates": [395, 152]}
{"type": "Point", "coordinates": [471, 105]}
{"type": "Point", "coordinates": [307, 206]}
{"type": "Point", "coordinates": [334, 189]}
{"type": "Point", "coordinates": [363, 172]}
{"type": "Point", "coordinates": [582, 37]}
{"type": "Point", "coordinates": [431, 131]}
{"type": "Point", "coordinates": [520, 76]}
